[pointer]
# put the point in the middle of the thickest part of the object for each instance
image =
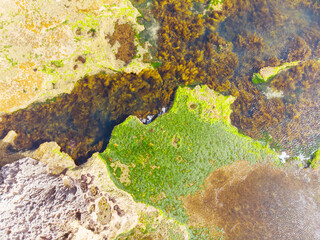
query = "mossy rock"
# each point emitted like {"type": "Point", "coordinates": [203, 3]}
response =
{"type": "Point", "coordinates": [267, 73]}
{"type": "Point", "coordinates": [169, 158]}
{"type": "Point", "coordinates": [315, 161]}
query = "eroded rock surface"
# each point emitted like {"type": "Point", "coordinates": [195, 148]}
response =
{"type": "Point", "coordinates": [36, 204]}
{"type": "Point", "coordinates": [79, 203]}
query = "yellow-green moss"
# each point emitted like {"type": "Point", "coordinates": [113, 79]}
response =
{"type": "Point", "coordinates": [315, 161]}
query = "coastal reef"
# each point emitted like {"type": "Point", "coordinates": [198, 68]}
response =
{"type": "Point", "coordinates": [187, 175]}
{"type": "Point", "coordinates": [202, 169]}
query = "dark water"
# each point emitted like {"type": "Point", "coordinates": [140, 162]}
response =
{"type": "Point", "coordinates": [270, 29]}
{"type": "Point", "coordinates": [81, 122]}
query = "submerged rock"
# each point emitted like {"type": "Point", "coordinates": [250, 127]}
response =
{"type": "Point", "coordinates": [267, 73]}
{"type": "Point", "coordinates": [258, 202]}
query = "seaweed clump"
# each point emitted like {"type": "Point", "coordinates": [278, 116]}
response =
{"type": "Point", "coordinates": [299, 131]}
{"type": "Point", "coordinates": [124, 34]}
{"type": "Point", "coordinates": [80, 122]}
{"type": "Point", "coordinates": [267, 34]}
{"type": "Point", "coordinates": [189, 49]}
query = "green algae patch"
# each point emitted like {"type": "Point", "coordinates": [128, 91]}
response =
{"type": "Point", "coordinates": [257, 78]}
{"type": "Point", "coordinates": [203, 233]}
{"type": "Point", "coordinates": [207, 103]}
{"type": "Point", "coordinates": [315, 161]}
{"type": "Point", "coordinates": [169, 158]}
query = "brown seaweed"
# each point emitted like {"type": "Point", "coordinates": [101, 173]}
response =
{"type": "Point", "coordinates": [300, 129]}
{"type": "Point", "coordinates": [268, 33]}
{"type": "Point", "coordinates": [192, 50]}
{"type": "Point", "coordinates": [124, 34]}
{"type": "Point", "coordinates": [81, 122]}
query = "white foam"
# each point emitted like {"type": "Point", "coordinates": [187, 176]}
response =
{"type": "Point", "coordinates": [283, 157]}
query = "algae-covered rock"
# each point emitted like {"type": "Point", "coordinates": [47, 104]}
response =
{"type": "Point", "coordinates": [214, 5]}
{"type": "Point", "coordinates": [198, 169]}
{"type": "Point", "coordinates": [169, 158]}
{"type": "Point", "coordinates": [47, 46]}
{"type": "Point", "coordinates": [315, 161]}
{"type": "Point", "coordinates": [156, 226]}
{"type": "Point", "coordinates": [50, 154]}
{"type": "Point", "coordinates": [267, 73]}
{"type": "Point", "coordinates": [7, 156]}
{"type": "Point", "coordinates": [117, 209]}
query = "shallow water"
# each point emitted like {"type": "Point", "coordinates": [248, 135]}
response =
{"type": "Point", "coordinates": [276, 23]}
{"type": "Point", "coordinates": [269, 33]}
{"type": "Point", "coordinates": [260, 202]}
